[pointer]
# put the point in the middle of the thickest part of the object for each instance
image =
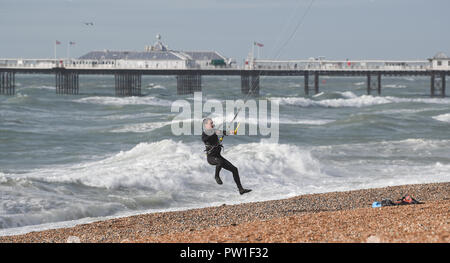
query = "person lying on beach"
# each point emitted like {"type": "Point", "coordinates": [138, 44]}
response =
{"type": "Point", "coordinates": [213, 149]}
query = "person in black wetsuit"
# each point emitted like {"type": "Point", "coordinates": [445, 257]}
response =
{"type": "Point", "coordinates": [213, 149]}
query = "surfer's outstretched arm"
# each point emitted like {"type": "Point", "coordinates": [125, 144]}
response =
{"type": "Point", "coordinates": [224, 132]}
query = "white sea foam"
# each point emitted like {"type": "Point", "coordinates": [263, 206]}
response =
{"type": "Point", "coordinates": [333, 103]}
{"type": "Point", "coordinates": [395, 86]}
{"type": "Point", "coordinates": [306, 121]}
{"type": "Point", "coordinates": [147, 100]}
{"type": "Point", "coordinates": [443, 117]}
{"type": "Point", "coordinates": [142, 127]}
{"type": "Point", "coordinates": [318, 94]}
{"type": "Point", "coordinates": [132, 116]}
{"type": "Point", "coordinates": [45, 87]}
{"type": "Point", "coordinates": [403, 111]}
{"type": "Point", "coordinates": [355, 101]}
{"type": "Point", "coordinates": [155, 86]}
{"type": "Point", "coordinates": [21, 95]}
{"type": "Point", "coordinates": [348, 94]}
{"type": "Point", "coordinates": [3, 178]}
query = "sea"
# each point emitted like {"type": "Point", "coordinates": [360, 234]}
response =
{"type": "Point", "coordinates": [72, 159]}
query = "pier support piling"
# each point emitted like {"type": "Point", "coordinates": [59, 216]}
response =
{"type": "Point", "coordinates": [245, 83]}
{"type": "Point", "coordinates": [316, 83]}
{"type": "Point", "coordinates": [306, 81]}
{"type": "Point", "coordinates": [374, 83]}
{"type": "Point", "coordinates": [379, 83]}
{"type": "Point", "coordinates": [66, 83]}
{"type": "Point", "coordinates": [443, 85]}
{"type": "Point", "coordinates": [188, 84]}
{"type": "Point", "coordinates": [254, 85]}
{"type": "Point", "coordinates": [307, 84]}
{"type": "Point", "coordinates": [432, 88]}
{"type": "Point", "coordinates": [437, 85]}
{"type": "Point", "coordinates": [250, 84]}
{"type": "Point", "coordinates": [127, 84]}
{"type": "Point", "coordinates": [7, 83]}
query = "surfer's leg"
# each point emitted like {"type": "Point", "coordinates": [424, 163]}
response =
{"type": "Point", "coordinates": [218, 163]}
{"type": "Point", "coordinates": [217, 177]}
{"type": "Point", "coordinates": [230, 167]}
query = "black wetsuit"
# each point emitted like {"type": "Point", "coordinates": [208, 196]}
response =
{"type": "Point", "coordinates": [213, 149]}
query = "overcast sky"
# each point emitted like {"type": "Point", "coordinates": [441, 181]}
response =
{"type": "Point", "coordinates": [336, 29]}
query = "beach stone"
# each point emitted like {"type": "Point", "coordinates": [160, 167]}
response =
{"type": "Point", "coordinates": [373, 239]}
{"type": "Point", "coordinates": [73, 239]}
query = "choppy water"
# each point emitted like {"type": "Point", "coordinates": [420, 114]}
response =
{"type": "Point", "coordinates": [71, 159]}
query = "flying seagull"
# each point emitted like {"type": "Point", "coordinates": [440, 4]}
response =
{"type": "Point", "coordinates": [88, 23]}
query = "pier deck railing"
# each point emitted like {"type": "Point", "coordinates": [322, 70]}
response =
{"type": "Point", "coordinates": [339, 65]}
{"type": "Point", "coordinates": [99, 64]}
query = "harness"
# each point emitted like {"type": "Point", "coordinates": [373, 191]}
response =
{"type": "Point", "coordinates": [219, 143]}
{"type": "Point", "coordinates": [212, 147]}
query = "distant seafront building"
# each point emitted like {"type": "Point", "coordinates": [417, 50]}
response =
{"type": "Point", "coordinates": [440, 61]}
{"type": "Point", "coordinates": [158, 56]}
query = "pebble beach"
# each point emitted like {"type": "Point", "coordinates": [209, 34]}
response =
{"type": "Point", "coordinates": [327, 217]}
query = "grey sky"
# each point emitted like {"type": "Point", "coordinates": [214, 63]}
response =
{"type": "Point", "coordinates": [336, 29]}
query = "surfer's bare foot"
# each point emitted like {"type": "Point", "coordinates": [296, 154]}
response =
{"type": "Point", "coordinates": [243, 191]}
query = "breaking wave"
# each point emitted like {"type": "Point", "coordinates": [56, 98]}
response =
{"type": "Point", "coordinates": [351, 100]}
{"type": "Point", "coordinates": [443, 117]}
{"type": "Point", "coordinates": [147, 100]}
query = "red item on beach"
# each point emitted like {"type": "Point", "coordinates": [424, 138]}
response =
{"type": "Point", "coordinates": [405, 200]}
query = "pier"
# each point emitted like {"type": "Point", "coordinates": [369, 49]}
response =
{"type": "Point", "coordinates": [128, 73]}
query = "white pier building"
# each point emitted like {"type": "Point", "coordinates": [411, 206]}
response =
{"type": "Point", "coordinates": [157, 56]}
